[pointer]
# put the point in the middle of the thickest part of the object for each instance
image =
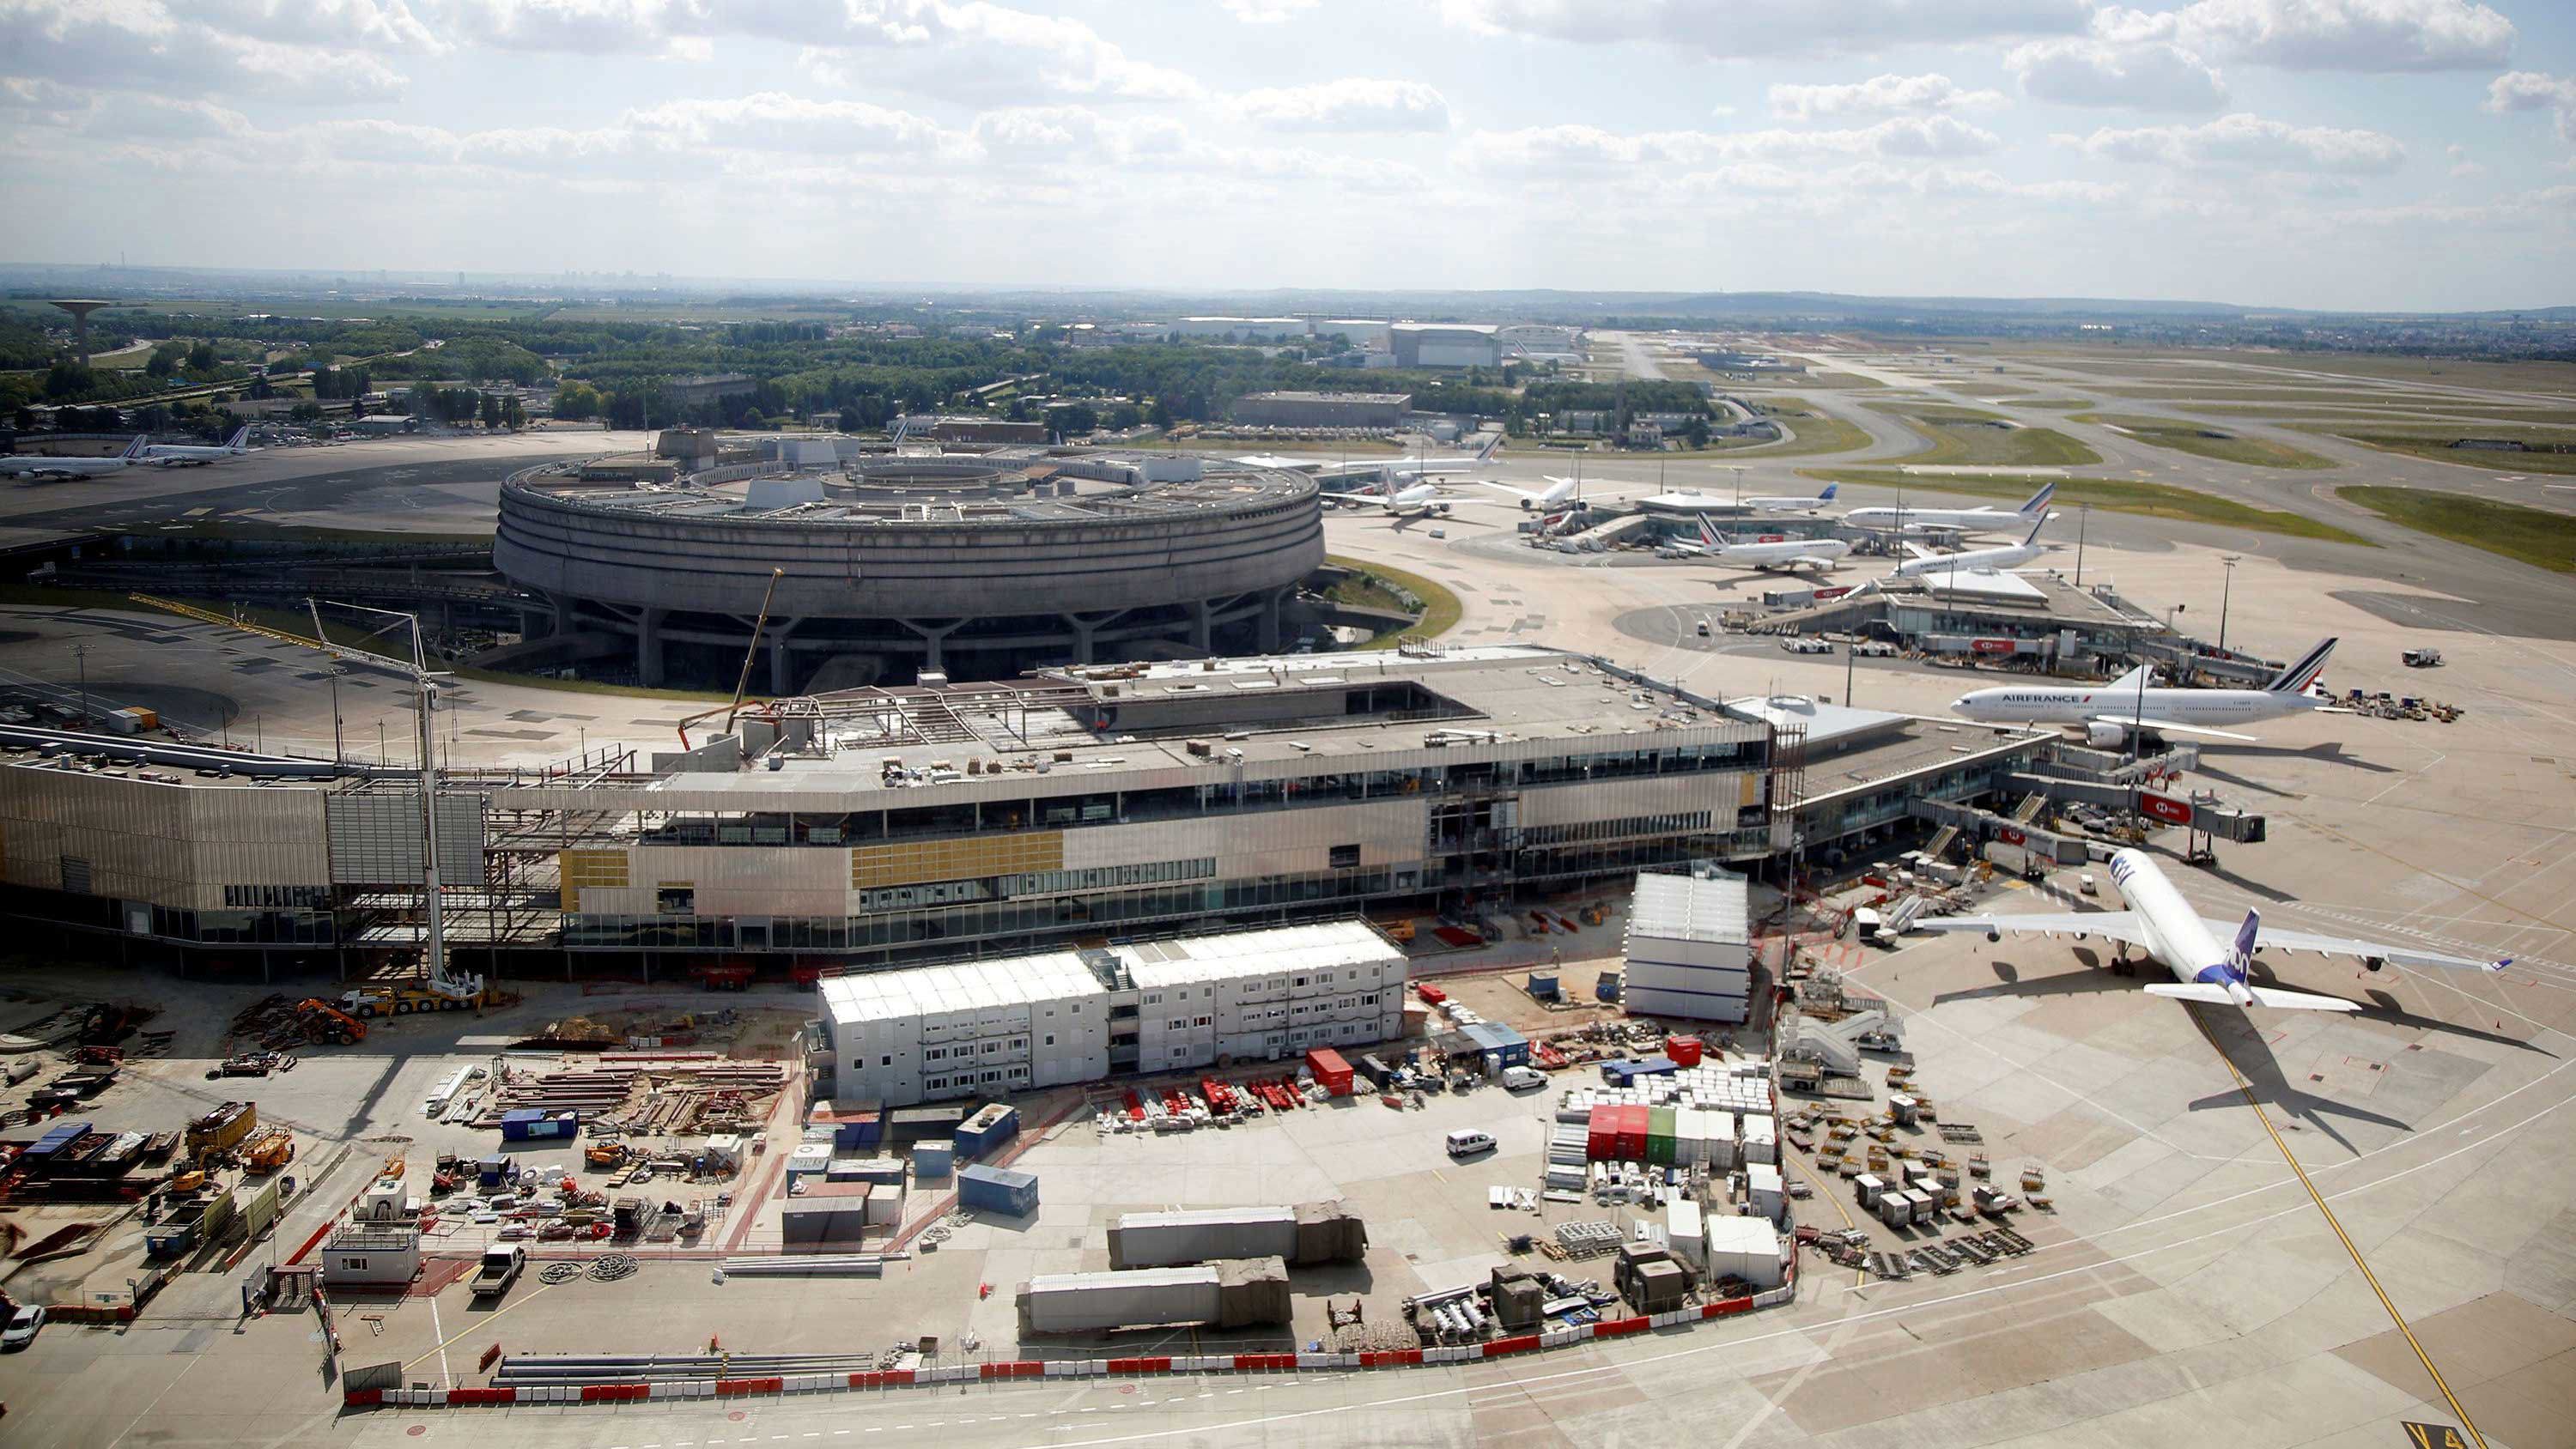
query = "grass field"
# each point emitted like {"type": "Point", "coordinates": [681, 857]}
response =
{"type": "Point", "coordinates": [2535, 536]}
{"type": "Point", "coordinates": [2440, 451]}
{"type": "Point", "coordinates": [2056, 404]}
{"type": "Point", "coordinates": [1967, 437]}
{"type": "Point", "coordinates": [1817, 431]}
{"type": "Point", "coordinates": [1812, 379]}
{"type": "Point", "coordinates": [2546, 377]}
{"type": "Point", "coordinates": [2115, 495]}
{"type": "Point", "coordinates": [2208, 442]}
{"type": "Point", "coordinates": [1441, 607]}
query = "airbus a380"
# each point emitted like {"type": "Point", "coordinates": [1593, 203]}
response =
{"type": "Point", "coordinates": [2110, 713]}
{"type": "Point", "coordinates": [1997, 519]}
{"type": "Point", "coordinates": [2161, 923]}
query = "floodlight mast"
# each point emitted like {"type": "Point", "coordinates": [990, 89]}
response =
{"type": "Point", "coordinates": [423, 679]}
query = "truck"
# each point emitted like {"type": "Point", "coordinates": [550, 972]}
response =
{"type": "Point", "coordinates": [501, 1268]}
{"type": "Point", "coordinates": [454, 993]}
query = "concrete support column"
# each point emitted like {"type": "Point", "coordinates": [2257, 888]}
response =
{"type": "Point", "coordinates": [1086, 629]}
{"type": "Point", "coordinates": [933, 636]}
{"type": "Point", "coordinates": [1203, 625]}
{"type": "Point", "coordinates": [648, 647]}
{"type": "Point", "coordinates": [782, 674]}
{"type": "Point", "coordinates": [1270, 603]}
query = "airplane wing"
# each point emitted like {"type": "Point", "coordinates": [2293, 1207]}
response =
{"type": "Point", "coordinates": [2166, 727]}
{"type": "Point", "coordinates": [1916, 550]}
{"type": "Point", "coordinates": [1273, 460]}
{"type": "Point", "coordinates": [2216, 995]}
{"type": "Point", "coordinates": [2273, 936]}
{"type": "Point", "coordinates": [2111, 925]}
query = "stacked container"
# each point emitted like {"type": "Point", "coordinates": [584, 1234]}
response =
{"type": "Point", "coordinates": [1659, 1137]}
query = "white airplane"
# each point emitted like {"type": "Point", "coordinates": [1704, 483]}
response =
{"type": "Point", "coordinates": [2166, 927]}
{"type": "Point", "coordinates": [1969, 518]}
{"type": "Point", "coordinates": [1388, 472]}
{"type": "Point", "coordinates": [1768, 503]}
{"type": "Point", "coordinates": [192, 455]}
{"type": "Point", "coordinates": [1540, 500]}
{"type": "Point", "coordinates": [1926, 564]}
{"type": "Point", "coordinates": [1788, 553]}
{"type": "Point", "coordinates": [2109, 713]}
{"type": "Point", "coordinates": [46, 470]}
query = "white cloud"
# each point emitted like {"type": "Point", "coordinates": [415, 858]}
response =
{"type": "Point", "coordinates": [146, 46]}
{"type": "Point", "coordinates": [1885, 95]}
{"type": "Point", "coordinates": [1770, 27]}
{"type": "Point", "coordinates": [2357, 35]}
{"type": "Point", "coordinates": [2148, 75]}
{"type": "Point", "coordinates": [2531, 90]}
{"type": "Point", "coordinates": [2461, 165]}
{"type": "Point", "coordinates": [1267, 12]}
{"type": "Point", "coordinates": [2250, 141]}
{"type": "Point", "coordinates": [1551, 148]}
{"type": "Point", "coordinates": [305, 22]}
{"type": "Point", "coordinates": [773, 121]}
{"type": "Point", "coordinates": [1347, 105]}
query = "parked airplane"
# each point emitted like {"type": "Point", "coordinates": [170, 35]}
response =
{"type": "Point", "coordinates": [1539, 500]}
{"type": "Point", "coordinates": [2109, 713]}
{"type": "Point", "coordinates": [192, 455]}
{"type": "Point", "coordinates": [1794, 503]}
{"type": "Point", "coordinates": [1927, 564]}
{"type": "Point", "coordinates": [1422, 498]}
{"type": "Point", "coordinates": [2171, 933]}
{"type": "Point", "coordinates": [1391, 472]}
{"type": "Point", "coordinates": [1991, 518]}
{"type": "Point", "coordinates": [1769, 503]}
{"type": "Point", "coordinates": [46, 470]}
{"type": "Point", "coordinates": [1787, 553]}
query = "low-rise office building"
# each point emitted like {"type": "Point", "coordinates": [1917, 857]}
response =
{"type": "Point", "coordinates": [1026, 1023]}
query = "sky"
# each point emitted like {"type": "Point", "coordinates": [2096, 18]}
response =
{"type": "Point", "coordinates": [2338, 154]}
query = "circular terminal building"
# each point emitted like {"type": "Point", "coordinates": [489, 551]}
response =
{"type": "Point", "coordinates": [979, 566]}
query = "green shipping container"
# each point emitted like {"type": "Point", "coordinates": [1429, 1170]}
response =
{"type": "Point", "coordinates": [1659, 1136]}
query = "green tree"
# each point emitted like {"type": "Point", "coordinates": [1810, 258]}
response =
{"type": "Point", "coordinates": [202, 358]}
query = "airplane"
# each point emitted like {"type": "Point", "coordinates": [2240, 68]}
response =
{"type": "Point", "coordinates": [46, 470]}
{"type": "Point", "coordinates": [2110, 713]}
{"type": "Point", "coordinates": [1390, 472]}
{"type": "Point", "coordinates": [1794, 503]}
{"type": "Point", "coordinates": [2174, 935]}
{"type": "Point", "coordinates": [1788, 553]}
{"type": "Point", "coordinates": [1926, 564]}
{"type": "Point", "coordinates": [1422, 498]}
{"type": "Point", "coordinates": [191, 455]}
{"type": "Point", "coordinates": [1994, 518]}
{"type": "Point", "coordinates": [1540, 500]}
{"type": "Point", "coordinates": [1770, 503]}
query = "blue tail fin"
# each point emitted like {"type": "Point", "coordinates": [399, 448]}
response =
{"type": "Point", "coordinates": [2241, 956]}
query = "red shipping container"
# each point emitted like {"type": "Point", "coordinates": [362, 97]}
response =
{"type": "Point", "coordinates": [1684, 1050]}
{"type": "Point", "coordinates": [1631, 1122]}
{"type": "Point", "coordinates": [1601, 1135]}
{"type": "Point", "coordinates": [1325, 1065]}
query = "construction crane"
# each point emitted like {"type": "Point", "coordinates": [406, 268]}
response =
{"type": "Point", "coordinates": [750, 652]}
{"type": "Point", "coordinates": [424, 679]}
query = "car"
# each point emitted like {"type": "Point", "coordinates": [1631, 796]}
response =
{"type": "Point", "coordinates": [1523, 1079]}
{"type": "Point", "coordinates": [22, 1328]}
{"type": "Point", "coordinates": [1467, 1142]}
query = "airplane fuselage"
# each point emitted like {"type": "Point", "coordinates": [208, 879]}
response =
{"type": "Point", "coordinates": [2045, 704]}
{"type": "Point", "coordinates": [1994, 519]}
{"type": "Point", "coordinates": [1970, 560]}
{"type": "Point", "coordinates": [2176, 937]}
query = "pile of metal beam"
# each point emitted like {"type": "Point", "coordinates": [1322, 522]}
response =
{"type": "Point", "coordinates": [814, 1265]}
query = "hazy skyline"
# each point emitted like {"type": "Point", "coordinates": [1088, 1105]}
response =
{"type": "Point", "coordinates": [2354, 154]}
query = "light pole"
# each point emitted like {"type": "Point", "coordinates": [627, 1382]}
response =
{"type": "Point", "coordinates": [80, 657]}
{"type": "Point", "coordinates": [2083, 516]}
{"type": "Point", "coordinates": [337, 750]}
{"type": "Point", "coordinates": [2225, 590]}
{"type": "Point", "coordinates": [1851, 656]}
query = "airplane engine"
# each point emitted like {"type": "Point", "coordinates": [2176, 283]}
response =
{"type": "Point", "coordinates": [2104, 736]}
{"type": "Point", "coordinates": [2374, 963]}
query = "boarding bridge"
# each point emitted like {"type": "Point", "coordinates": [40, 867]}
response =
{"type": "Point", "coordinates": [1983, 825]}
{"type": "Point", "coordinates": [1601, 535]}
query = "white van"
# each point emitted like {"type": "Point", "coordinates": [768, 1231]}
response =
{"type": "Point", "coordinates": [1523, 1079]}
{"type": "Point", "coordinates": [1467, 1142]}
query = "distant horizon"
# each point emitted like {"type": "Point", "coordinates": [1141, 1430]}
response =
{"type": "Point", "coordinates": [371, 278]}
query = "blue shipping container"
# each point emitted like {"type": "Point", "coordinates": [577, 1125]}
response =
{"type": "Point", "coordinates": [58, 1139]}
{"type": "Point", "coordinates": [998, 1190]}
{"type": "Point", "coordinates": [933, 1159]}
{"type": "Point", "coordinates": [986, 1131]}
{"type": "Point", "coordinates": [531, 1126]}
{"type": "Point", "coordinates": [1605, 987]}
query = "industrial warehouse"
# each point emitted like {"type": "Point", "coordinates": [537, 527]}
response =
{"type": "Point", "coordinates": [939, 821]}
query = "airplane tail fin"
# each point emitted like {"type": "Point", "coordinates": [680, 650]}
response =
{"type": "Point", "coordinates": [241, 436]}
{"type": "Point", "coordinates": [1492, 441]}
{"type": "Point", "coordinates": [2039, 501]}
{"type": "Point", "coordinates": [1828, 495]}
{"type": "Point", "coordinates": [2240, 956]}
{"type": "Point", "coordinates": [1708, 532]}
{"type": "Point", "coordinates": [2299, 676]}
{"type": "Point", "coordinates": [2129, 683]}
{"type": "Point", "coordinates": [2040, 523]}
{"type": "Point", "coordinates": [134, 449]}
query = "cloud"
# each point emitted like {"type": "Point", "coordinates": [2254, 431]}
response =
{"type": "Point", "coordinates": [2248, 141]}
{"type": "Point", "coordinates": [1346, 105]}
{"type": "Point", "coordinates": [1770, 27]}
{"type": "Point", "coordinates": [2150, 75]}
{"type": "Point", "coordinates": [1553, 148]}
{"type": "Point", "coordinates": [388, 23]}
{"type": "Point", "coordinates": [773, 121]}
{"type": "Point", "coordinates": [144, 45]}
{"type": "Point", "coordinates": [1267, 12]}
{"type": "Point", "coordinates": [2461, 165]}
{"type": "Point", "coordinates": [2531, 90]}
{"type": "Point", "coordinates": [2356, 35]}
{"type": "Point", "coordinates": [1885, 95]}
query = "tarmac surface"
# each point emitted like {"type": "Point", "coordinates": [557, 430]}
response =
{"type": "Point", "coordinates": [2185, 1289]}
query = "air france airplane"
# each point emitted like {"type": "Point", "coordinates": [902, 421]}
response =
{"type": "Point", "coordinates": [2109, 713]}
{"type": "Point", "coordinates": [2031, 511]}
{"type": "Point", "coordinates": [186, 455]}
{"type": "Point", "coordinates": [2164, 925]}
